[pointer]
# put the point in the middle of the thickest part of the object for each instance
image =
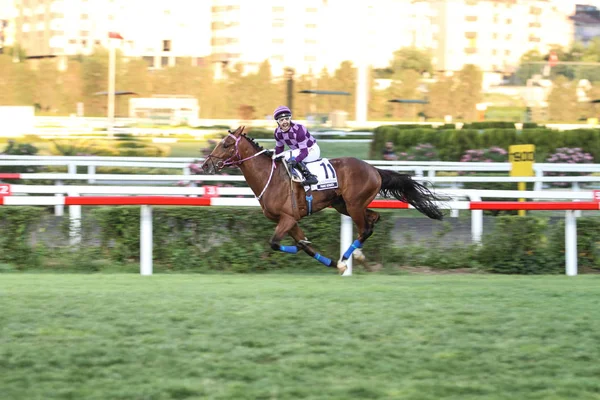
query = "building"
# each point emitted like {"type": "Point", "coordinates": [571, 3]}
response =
{"type": "Point", "coordinates": [7, 24]}
{"type": "Point", "coordinates": [308, 35]}
{"type": "Point", "coordinates": [587, 23]}
{"type": "Point", "coordinates": [160, 32]}
{"type": "Point", "coordinates": [494, 34]}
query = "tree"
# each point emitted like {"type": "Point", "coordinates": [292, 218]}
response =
{"type": "Point", "coordinates": [411, 58]}
{"type": "Point", "coordinates": [404, 86]}
{"type": "Point", "coordinates": [71, 87]}
{"type": "Point", "coordinates": [441, 98]}
{"type": "Point", "coordinates": [344, 80]}
{"type": "Point", "coordinates": [562, 100]}
{"type": "Point", "coordinates": [468, 92]}
{"type": "Point", "coordinates": [47, 90]}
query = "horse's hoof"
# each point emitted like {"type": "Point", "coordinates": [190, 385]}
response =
{"type": "Point", "coordinates": [358, 255]}
{"type": "Point", "coordinates": [342, 267]}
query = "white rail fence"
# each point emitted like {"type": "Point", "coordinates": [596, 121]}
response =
{"type": "Point", "coordinates": [457, 203]}
{"type": "Point", "coordinates": [417, 168]}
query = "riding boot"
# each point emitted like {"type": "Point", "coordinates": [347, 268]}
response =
{"type": "Point", "coordinates": [309, 178]}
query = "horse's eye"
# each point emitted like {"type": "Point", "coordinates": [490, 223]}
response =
{"type": "Point", "coordinates": [225, 145]}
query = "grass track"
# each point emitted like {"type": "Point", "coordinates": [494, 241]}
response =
{"type": "Point", "coordinates": [292, 337]}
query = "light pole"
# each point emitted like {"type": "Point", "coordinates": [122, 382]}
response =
{"type": "Point", "coordinates": [112, 58]}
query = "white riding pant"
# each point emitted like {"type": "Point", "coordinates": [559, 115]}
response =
{"type": "Point", "coordinates": [314, 153]}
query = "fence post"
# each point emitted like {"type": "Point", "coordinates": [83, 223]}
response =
{"type": "Point", "coordinates": [74, 222]}
{"type": "Point", "coordinates": [476, 221]}
{"type": "Point", "coordinates": [346, 241]}
{"type": "Point", "coordinates": [72, 168]}
{"type": "Point", "coordinates": [91, 171]}
{"type": "Point", "coordinates": [570, 243]}
{"type": "Point", "coordinates": [146, 240]}
{"type": "Point", "coordinates": [59, 209]}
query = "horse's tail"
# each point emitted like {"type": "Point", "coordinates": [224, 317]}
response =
{"type": "Point", "coordinates": [404, 188]}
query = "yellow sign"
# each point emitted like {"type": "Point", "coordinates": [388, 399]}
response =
{"type": "Point", "coordinates": [521, 157]}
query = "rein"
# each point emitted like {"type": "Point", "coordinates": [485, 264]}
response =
{"type": "Point", "coordinates": [231, 161]}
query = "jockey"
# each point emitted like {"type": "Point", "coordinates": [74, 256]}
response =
{"type": "Point", "coordinates": [303, 147]}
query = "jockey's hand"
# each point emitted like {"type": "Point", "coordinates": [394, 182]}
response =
{"type": "Point", "coordinates": [292, 161]}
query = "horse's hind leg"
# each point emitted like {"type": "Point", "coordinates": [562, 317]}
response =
{"type": "Point", "coordinates": [369, 218]}
{"type": "Point", "coordinates": [298, 235]}
{"type": "Point", "coordinates": [365, 221]}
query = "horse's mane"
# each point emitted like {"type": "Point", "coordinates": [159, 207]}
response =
{"type": "Point", "coordinates": [257, 146]}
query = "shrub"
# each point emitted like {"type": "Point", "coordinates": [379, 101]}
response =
{"type": "Point", "coordinates": [568, 155]}
{"type": "Point", "coordinates": [492, 154]}
{"type": "Point", "coordinates": [420, 152]}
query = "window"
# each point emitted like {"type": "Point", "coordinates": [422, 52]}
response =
{"type": "Point", "coordinates": [508, 37]}
{"type": "Point", "coordinates": [310, 58]}
{"type": "Point", "coordinates": [84, 16]}
{"type": "Point", "coordinates": [277, 24]}
{"type": "Point", "coordinates": [278, 9]}
{"type": "Point", "coordinates": [277, 58]}
{"type": "Point", "coordinates": [535, 25]}
{"type": "Point", "coordinates": [494, 36]}
{"type": "Point", "coordinates": [277, 41]}
{"type": "Point", "coordinates": [535, 10]}
{"type": "Point", "coordinates": [470, 50]}
{"type": "Point", "coordinates": [166, 45]}
{"type": "Point", "coordinates": [507, 52]}
{"type": "Point", "coordinates": [471, 18]}
{"type": "Point", "coordinates": [310, 26]}
{"type": "Point", "coordinates": [311, 10]}
{"type": "Point", "coordinates": [508, 21]}
{"type": "Point", "coordinates": [310, 41]}
{"type": "Point", "coordinates": [494, 52]}
{"type": "Point", "coordinates": [471, 35]}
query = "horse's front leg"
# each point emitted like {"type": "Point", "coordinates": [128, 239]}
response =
{"type": "Point", "coordinates": [285, 223]}
{"type": "Point", "coordinates": [298, 235]}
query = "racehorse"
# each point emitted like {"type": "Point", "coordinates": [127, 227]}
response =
{"type": "Point", "coordinates": [285, 202]}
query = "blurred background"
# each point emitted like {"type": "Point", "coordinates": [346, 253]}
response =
{"type": "Point", "coordinates": [334, 62]}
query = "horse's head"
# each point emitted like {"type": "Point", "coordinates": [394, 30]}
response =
{"type": "Point", "coordinates": [225, 153]}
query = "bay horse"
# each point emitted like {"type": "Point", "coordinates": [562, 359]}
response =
{"type": "Point", "coordinates": [284, 202]}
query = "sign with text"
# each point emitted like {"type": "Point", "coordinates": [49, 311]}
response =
{"type": "Point", "coordinates": [5, 189]}
{"type": "Point", "coordinates": [211, 191]}
{"type": "Point", "coordinates": [521, 158]}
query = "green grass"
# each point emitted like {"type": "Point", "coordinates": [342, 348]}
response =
{"type": "Point", "coordinates": [293, 337]}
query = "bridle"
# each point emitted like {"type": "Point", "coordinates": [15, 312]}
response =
{"type": "Point", "coordinates": [236, 159]}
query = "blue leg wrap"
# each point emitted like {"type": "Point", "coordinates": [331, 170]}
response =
{"type": "Point", "coordinates": [289, 249]}
{"type": "Point", "coordinates": [355, 245]}
{"type": "Point", "coordinates": [309, 200]}
{"type": "Point", "coordinates": [323, 260]}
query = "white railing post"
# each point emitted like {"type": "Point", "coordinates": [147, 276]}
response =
{"type": "Point", "coordinates": [146, 240]}
{"type": "Point", "coordinates": [59, 209]}
{"type": "Point", "coordinates": [476, 222]}
{"type": "Point", "coordinates": [570, 243]}
{"type": "Point", "coordinates": [346, 241]}
{"type": "Point", "coordinates": [538, 185]}
{"type": "Point", "coordinates": [72, 168]}
{"type": "Point", "coordinates": [454, 212]}
{"type": "Point", "coordinates": [91, 171]}
{"type": "Point", "coordinates": [74, 222]}
{"type": "Point", "coordinates": [576, 188]}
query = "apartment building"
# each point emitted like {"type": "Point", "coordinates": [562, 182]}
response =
{"type": "Point", "coordinates": [160, 32]}
{"type": "Point", "coordinates": [308, 35]}
{"type": "Point", "coordinates": [315, 34]}
{"type": "Point", "coordinates": [494, 34]}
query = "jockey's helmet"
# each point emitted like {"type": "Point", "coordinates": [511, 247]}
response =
{"type": "Point", "coordinates": [281, 111]}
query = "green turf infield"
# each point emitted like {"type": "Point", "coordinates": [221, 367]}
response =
{"type": "Point", "coordinates": [321, 336]}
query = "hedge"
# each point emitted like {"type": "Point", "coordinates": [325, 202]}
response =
{"type": "Point", "coordinates": [190, 239]}
{"type": "Point", "coordinates": [452, 144]}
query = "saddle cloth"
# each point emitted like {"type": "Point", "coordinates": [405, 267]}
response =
{"type": "Point", "coordinates": [325, 173]}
